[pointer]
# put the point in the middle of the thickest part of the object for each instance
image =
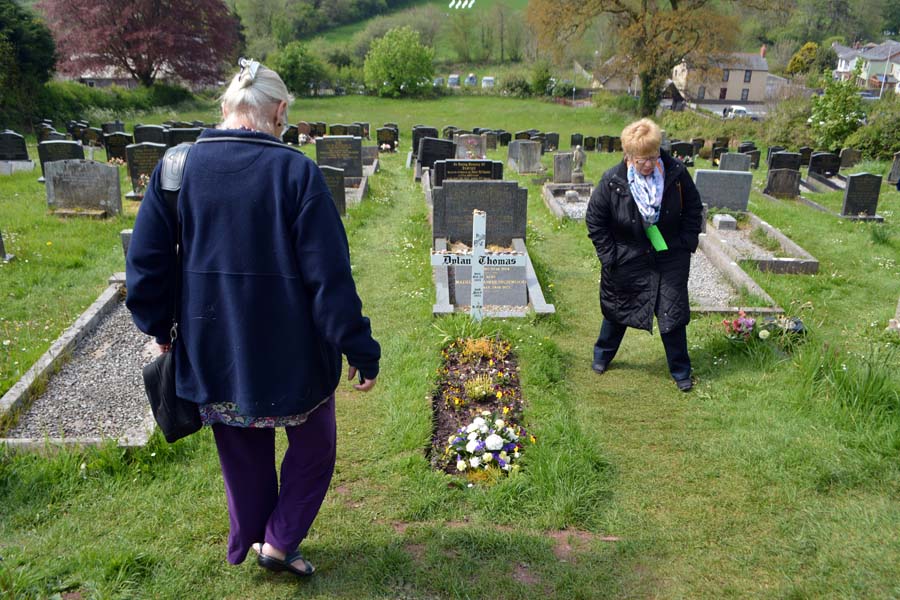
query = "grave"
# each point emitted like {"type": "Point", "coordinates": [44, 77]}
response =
{"type": "Point", "coordinates": [370, 160]}
{"type": "Point", "coordinates": [894, 175]}
{"type": "Point", "coordinates": [522, 135]}
{"type": "Point", "coordinates": [552, 141]}
{"type": "Point", "coordinates": [53, 151]}
{"type": "Point", "coordinates": [562, 167]}
{"type": "Point", "coordinates": [113, 127]}
{"type": "Point", "coordinates": [470, 146]}
{"type": "Point", "coordinates": [508, 288]}
{"type": "Point", "coordinates": [576, 140]}
{"type": "Point", "coordinates": [805, 155]}
{"type": "Point", "coordinates": [772, 150]}
{"type": "Point", "coordinates": [343, 152]}
{"type": "Point", "coordinates": [418, 133]}
{"type": "Point", "coordinates": [355, 130]}
{"type": "Point", "coordinates": [590, 144]}
{"type": "Point", "coordinates": [822, 172]}
{"type": "Point", "coordinates": [464, 169]}
{"type": "Point", "coordinates": [83, 188]}
{"type": "Point", "coordinates": [616, 143]}
{"type": "Point", "coordinates": [731, 161]}
{"type": "Point", "coordinates": [364, 129]}
{"type": "Point", "coordinates": [490, 140]}
{"type": "Point", "coordinates": [780, 255]}
{"type": "Point", "coordinates": [850, 158]}
{"type": "Point", "coordinates": [155, 134]}
{"type": "Point", "coordinates": [783, 183]}
{"type": "Point", "coordinates": [717, 153]}
{"type": "Point", "coordinates": [115, 144]}
{"type": "Point", "coordinates": [182, 135]}
{"type": "Point", "coordinates": [525, 157]}
{"type": "Point", "coordinates": [754, 158]}
{"type": "Point", "coordinates": [683, 151]}
{"type": "Point", "coordinates": [386, 138]}
{"type": "Point", "coordinates": [291, 135]}
{"type": "Point", "coordinates": [304, 128]}
{"type": "Point", "coordinates": [318, 129]}
{"type": "Point", "coordinates": [431, 150]}
{"type": "Point", "coordinates": [784, 160]}
{"type": "Point", "coordinates": [13, 153]}
{"type": "Point", "coordinates": [504, 138]}
{"type": "Point", "coordinates": [567, 200]}
{"type": "Point", "coordinates": [92, 136]}
{"type": "Point", "coordinates": [334, 179]}
{"type": "Point", "coordinates": [724, 189]}
{"type": "Point", "coordinates": [861, 197]}
{"type": "Point", "coordinates": [746, 147]}
{"type": "Point", "coordinates": [338, 129]}
{"type": "Point", "coordinates": [698, 143]}
{"type": "Point", "coordinates": [448, 131]}
{"type": "Point", "coordinates": [142, 159]}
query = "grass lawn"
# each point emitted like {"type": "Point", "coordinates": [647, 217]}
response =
{"type": "Point", "coordinates": [776, 477]}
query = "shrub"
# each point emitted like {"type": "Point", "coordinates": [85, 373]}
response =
{"type": "Point", "coordinates": [540, 79]}
{"type": "Point", "coordinates": [64, 100]}
{"type": "Point", "coordinates": [399, 65]}
{"type": "Point", "coordinates": [878, 139]}
{"type": "Point", "coordinates": [515, 85]}
{"type": "Point", "coordinates": [787, 123]}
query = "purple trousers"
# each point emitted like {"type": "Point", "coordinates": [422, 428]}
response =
{"type": "Point", "coordinates": [258, 510]}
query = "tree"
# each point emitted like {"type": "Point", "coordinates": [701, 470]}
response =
{"type": "Point", "coordinates": [836, 113]}
{"type": "Point", "coordinates": [300, 70]}
{"type": "Point", "coordinates": [803, 59]}
{"type": "Point", "coordinates": [27, 58]}
{"type": "Point", "coordinates": [653, 37]}
{"type": "Point", "coordinates": [399, 65]}
{"type": "Point", "coordinates": [145, 38]}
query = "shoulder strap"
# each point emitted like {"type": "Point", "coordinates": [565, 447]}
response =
{"type": "Point", "coordinates": [173, 167]}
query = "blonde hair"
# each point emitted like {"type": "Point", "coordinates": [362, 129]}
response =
{"type": "Point", "coordinates": [252, 93]}
{"type": "Point", "coordinates": [641, 138]}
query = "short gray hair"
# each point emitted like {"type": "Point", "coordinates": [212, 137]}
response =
{"type": "Point", "coordinates": [252, 90]}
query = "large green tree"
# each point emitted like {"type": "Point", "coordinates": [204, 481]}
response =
{"type": "Point", "coordinates": [27, 59]}
{"type": "Point", "coordinates": [399, 65]}
{"type": "Point", "coordinates": [299, 68]}
{"type": "Point", "coordinates": [652, 37]}
{"type": "Point", "coordinates": [837, 112]}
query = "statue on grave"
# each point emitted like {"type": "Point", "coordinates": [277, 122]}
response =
{"type": "Point", "coordinates": [578, 158]}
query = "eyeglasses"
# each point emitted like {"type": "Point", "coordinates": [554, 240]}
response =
{"type": "Point", "coordinates": [643, 161]}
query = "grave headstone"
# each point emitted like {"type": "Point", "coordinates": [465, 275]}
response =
{"type": "Point", "coordinates": [861, 195]}
{"type": "Point", "coordinates": [341, 151]}
{"type": "Point", "coordinates": [355, 130]}
{"type": "Point", "coordinates": [453, 169]}
{"type": "Point", "coordinates": [718, 152]}
{"type": "Point", "coordinates": [850, 157]}
{"type": "Point", "coordinates": [181, 135]}
{"type": "Point", "coordinates": [155, 134]}
{"type": "Point", "coordinates": [604, 143]}
{"type": "Point", "coordinates": [386, 138]}
{"type": "Point", "coordinates": [754, 158]}
{"type": "Point", "coordinates": [576, 140]}
{"type": "Point", "coordinates": [83, 186]}
{"type": "Point", "coordinates": [504, 138]}
{"type": "Point", "coordinates": [364, 129]}
{"type": "Point", "coordinates": [724, 222]}
{"type": "Point", "coordinates": [783, 183]}
{"type": "Point", "coordinates": [448, 131]}
{"type": "Point", "coordinates": [454, 202]}
{"type": "Point", "coordinates": [562, 167]}
{"type": "Point", "coordinates": [3, 255]}
{"type": "Point", "coordinates": [529, 159]}
{"type": "Point", "coordinates": [616, 143]}
{"type": "Point", "coordinates": [894, 175]}
{"type": "Point", "coordinates": [470, 146]}
{"type": "Point", "coordinates": [805, 155]}
{"type": "Point", "coordinates": [334, 179]}
{"type": "Point", "coordinates": [552, 141]}
{"type": "Point", "coordinates": [291, 135]}
{"type": "Point", "coordinates": [112, 127]}
{"type": "Point", "coordinates": [53, 151]}
{"type": "Point", "coordinates": [542, 140]}
{"type": "Point", "coordinates": [723, 141]}
{"type": "Point", "coordinates": [12, 146]}
{"type": "Point", "coordinates": [824, 164]}
{"type": "Point", "coordinates": [724, 189]}
{"type": "Point", "coordinates": [590, 144]}
{"type": "Point", "coordinates": [698, 144]}
{"type": "Point", "coordinates": [732, 161]}
{"type": "Point", "coordinates": [369, 155]}
{"type": "Point", "coordinates": [304, 128]}
{"type": "Point", "coordinates": [115, 145]}
{"type": "Point", "coordinates": [784, 160]}
{"type": "Point", "coordinates": [772, 150]}
{"type": "Point", "coordinates": [432, 149]}
{"type": "Point", "coordinates": [745, 147]}
{"type": "Point", "coordinates": [523, 135]}
{"type": "Point", "coordinates": [490, 140]}
{"type": "Point", "coordinates": [92, 136]}
{"type": "Point", "coordinates": [420, 132]}
{"type": "Point", "coordinates": [338, 129]}
{"type": "Point", "coordinates": [142, 159]}
{"type": "Point", "coordinates": [682, 149]}
{"type": "Point", "coordinates": [319, 128]}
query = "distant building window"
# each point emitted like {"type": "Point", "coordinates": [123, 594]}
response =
{"type": "Point", "coordinates": [745, 93]}
{"type": "Point", "coordinates": [725, 75]}
{"type": "Point", "coordinates": [701, 92]}
{"type": "Point", "coordinates": [723, 92]}
{"type": "Point", "coordinates": [747, 75]}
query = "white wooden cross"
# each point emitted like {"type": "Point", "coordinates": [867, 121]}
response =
{"type": "Point", "coordinates": [478, 259]}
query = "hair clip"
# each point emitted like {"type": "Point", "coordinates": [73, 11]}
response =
{"type": "Point", "coordinates": [248, 64]}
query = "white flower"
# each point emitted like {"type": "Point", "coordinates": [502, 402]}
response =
{"type": "Point", "coordinates": [764, 334]}
{"type": "Point", "coordinates": [473, 435]}
{"type": "Point", "coordinates": [499, 423]}
{"type": "Point", "coordinates": [515, 454]}
{"type": "Point", "coordinates": [471, 427]}
{"type": "Point", "coordinates": [512, 434]}
{"type": "Point", "coordinates": [483, 429]}
{"type": "Point", "coordinates": [478, 422]}
{"type": "Point", "coordinates": [460, 465]}
{"type": "Point", "coordinates": [504, 455]}
{"type": "Point", "coordinates": [506, 467]}
{"type": "Point", "coordinates": [485, 413]}
{"type": "Point", "coordinates": [493, 442]}
{"type": "Point", "coordinates": [471, 446]}
{"type": "Point", "coordinates": [488, 457]}
{"type": "Point", "coordinates": [474, 462]}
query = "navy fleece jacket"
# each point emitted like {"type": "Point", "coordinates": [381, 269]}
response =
{"type": "Point", "coordinates": [268, 303]}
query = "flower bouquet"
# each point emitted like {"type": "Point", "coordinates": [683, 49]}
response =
{"type": "Point", "coordinates": [487, 442]}
{"type": "Point", "coordinates": [740, 329]}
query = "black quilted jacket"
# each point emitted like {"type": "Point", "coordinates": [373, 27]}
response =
{"type": "Point", "coordinates": [637, 281]}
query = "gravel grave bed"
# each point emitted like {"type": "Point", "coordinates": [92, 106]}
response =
{"type": "Point", "coordinates": [706, 284]}
{"type": "Point", "coordinates": [739, 239]}
{"type": "Point", "coordinates": [99, 392]}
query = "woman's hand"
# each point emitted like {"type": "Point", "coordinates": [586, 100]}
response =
{"type": "Point", "coordinates": [364, 385]}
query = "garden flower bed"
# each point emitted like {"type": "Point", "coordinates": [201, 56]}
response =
{"type": "Point", "coordinates": [478, 409]}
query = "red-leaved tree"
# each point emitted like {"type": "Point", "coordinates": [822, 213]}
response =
{"type": "Point", "coordinates": [146, 38]}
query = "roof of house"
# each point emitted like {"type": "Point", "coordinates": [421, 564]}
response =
{"type": "Point", "coordinates": [882, 51]}
{"type": "Point", "coordinates": [735, 60]}
{"type": "Point", "coordinates": [845, 52]}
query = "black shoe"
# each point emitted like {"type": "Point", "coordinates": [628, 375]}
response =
{"type": "Point", "coordinates": [599, 367]}
{"type": "Point", "coordinates": [685, 385]}
{"type": "Point", "coordinates": [277, 565]}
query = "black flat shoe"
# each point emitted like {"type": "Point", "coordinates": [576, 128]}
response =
{"type": "Point", "coordinates": [599, 367]}
{"type": "Point", "coordinates": [277, 565]}
{"type": "Point", "coordinates": [685, 385]}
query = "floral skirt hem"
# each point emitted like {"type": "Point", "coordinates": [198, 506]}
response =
{"type": "Point", "coordinates": [227, 413]}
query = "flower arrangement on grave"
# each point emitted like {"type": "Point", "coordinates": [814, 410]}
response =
{"type": "Point", "coordinates": [142, 183]}
{"type": "Point", "coordinates": [781, 330]}
{"type": "Point", "coordinates": [739, 329]}
{"type": "Point", "coordinates": [487, 442]}
{"type": "Point", "coordinates": [116, 161]}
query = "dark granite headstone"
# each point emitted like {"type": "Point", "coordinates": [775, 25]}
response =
{"type": "Point", "coordinates": [338, 129]}
{"type": "Point", "coordinates": [319, 128]}
{"type": "Point", "coordinates": [682, 149]}
{"type": "Point", "coordinates": [448, 131]}
{"type": "Point", "coordinates": [825, 164]}
{"type": "Point", "coordinates": [12, 146]}
{"type": "Point", "coordinates": [62, 150]}
{"type": "Point", "coordinates": [181, 135]}
{"type": "Point", "coordinates": [723, 140]}
{"type": "Point", "coordinates": [745, 147]}
{"type": "Point", "coordinates": [334, 179]}
{"type": "Point", "coordinates": [504, 138]}
{"type": "Point", "coordinates": [850, 157]}
{"type": "Point", "coordinates": [112, 127]}
{"type": "Point", "coordinates": [783, 183]}
{"type": "Point", "coordinates": [698, 144]}
{"type": "Point", "coordinates": [724, 189]}
{"type": "Point", "coordinates": [155, 134]}
{"type": "Point", "coordinates": [590, 144]}
{"type": "Point", "coordinates": [616, 143]}
{"type": "Point", "coordinates": [364, 129]}
{"type": "Point", "coordinates": [432, 149]}
{"type": "Point", "coordinates": [420, 132]}
{"type": "Point", "coordinates": [861, 195]}
{"type": "Point", "coordinates": [386, 136]}
{"type": "Point", "coordinates": [576, 140]}
{"type": "Point", "coordinates": [718, 151]}
{"type": "Point", "coordinates": [754, 158]}
{"type": "Point", "coordinates": [115, 145]}
{"type": "Point", "coordinates": [291, 135]}
{"type": "Point", "coordinates": [523, 135]}
{"type": "Point", "coordinates": [304, 128]}
{"type": "Point", "coordinates": [490, 140]}
{"type": "Point", "coordinates": [604, 143]}
{"type": "Point", "coordinates": [784, 160]}
{"type": "Point", "coordinates": [805, 155]}
{"type": "Point", "coordinates": [83, 185]}
{"type": "Point", "coordinates": [454, 202]}
{"type": "Point", "coordinates": [465, 169]}
{"type": "Point", "coordinates": [355, 129]}
{"type": "Point", "coordinates": [552, 141]}
{"type": "Point", "coordinates": [55, 136]}
{"type": "Point", "coordinates": [733, 161]}
{"type": "Point", "coordinates": [894, 175]}
{"type": "Point", "coordinates": [92, 136]}
{"type": "Point", "coordinates": [142, 159]}
{"type": "Point", "coordinates": [343, 152]}
{"type": "Point", "coordinates": [772, 150]}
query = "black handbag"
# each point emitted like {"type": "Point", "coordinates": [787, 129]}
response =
{"type": "Point", "coordinates": [176, 417]}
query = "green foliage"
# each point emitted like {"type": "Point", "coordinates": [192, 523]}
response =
{"type": "Point", "coordinates": [802, 59]}
{"type": "Point", "coordinates": [515, 85]}
{"type": "Point", "coordinates": [787, 124]}
{"type": "Point", "coordinates": [837, 113]}
{"type": "Point", "coordinates": [399, 65]}
{"type": "Point", "coordinates": [540, 78]}
{"type": "Point", "coordinates": [300, 69]}
{"type": "Point", "coordinates": [878, 138]}
{"type": "Point", "coordinates": [27, 60]}
{"type": "Point", "coordinates": [64, 100]}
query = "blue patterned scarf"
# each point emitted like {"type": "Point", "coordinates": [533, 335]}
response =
{"type": "Point", "coordinates": [647, 191]}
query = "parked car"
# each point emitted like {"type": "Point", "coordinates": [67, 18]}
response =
{"type": "Point", "coordinates": [453, 80]}
{"type": "Point", "coordinates": [734, 112]}
{"type": "Point", "coordinates": [487, 82]}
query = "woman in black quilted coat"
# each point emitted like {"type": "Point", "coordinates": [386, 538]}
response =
{"type": "Point", "coordinates": [644, 219]}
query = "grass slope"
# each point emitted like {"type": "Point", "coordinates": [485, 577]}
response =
{"type": "Point", "coordinates": [776, 477]}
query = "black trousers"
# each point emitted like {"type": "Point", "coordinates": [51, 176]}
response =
{"type": "Point", "coordinates": [675, 343]}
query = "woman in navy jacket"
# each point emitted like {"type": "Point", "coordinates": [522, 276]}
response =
{"type": "Point", "coordinates": [648, 195]}
{"type": "Point", "coordinates": [267, 307]}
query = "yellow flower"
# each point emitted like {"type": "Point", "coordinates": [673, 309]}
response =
{"type": "Point", "coordinates": [505, 410]}
{"type": "Point", "coordinates": [49, 243]}
{"type": "Point", "coordinates": [499, 394]}
{"type": "Point", "coordinates": [533, 439]}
